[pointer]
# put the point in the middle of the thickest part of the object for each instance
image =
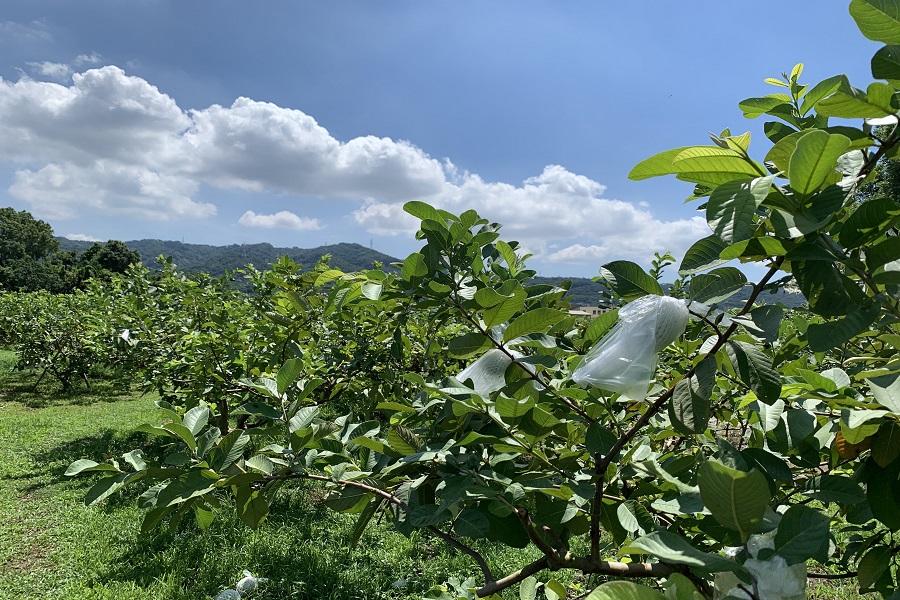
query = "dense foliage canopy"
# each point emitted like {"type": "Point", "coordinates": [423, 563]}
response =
{"type": "Point", "coordinates": [31, 260]}
{"type": "Point", "coordinates": [440, 396]}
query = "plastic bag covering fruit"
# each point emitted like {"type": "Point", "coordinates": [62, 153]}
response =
{"type": "Point", "coordinates": [624, 360]}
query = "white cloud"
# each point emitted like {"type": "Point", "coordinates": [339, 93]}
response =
{"type": "Point", "coordinates": [553, 207]}
{"type": "Point", "coordinates": [86, 60]}
{"type": "Point", "coordinates": [283, 219]}
{"type": "Point", "coordinates": [51, 70]}
{"type": "Point", "coordinates": [259, 145]}
{"type": "Point", "coordinates": [110, 142]}
{"type": "Point", "coordinates": [63, 191]}
{"type": "Point", "coordinates": [81, 237]}
{"type": "Point", "coordinates": [35, 31]}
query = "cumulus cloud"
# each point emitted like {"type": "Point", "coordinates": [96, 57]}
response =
{"type": "Point", "coordinates": [111, 142]}
{"type": "Point", "coordinates": [283, 219]}
{"type": "Point", "coordinates": [81, 237]}
{"type": "Point", "coordinates": [63, 191]}
{"type": "Point", "coordinates": [259, 145]}
{"type": "Point", "coordinates": [51, 70]}
{"type": "Point", "coordinates": [553, 206]}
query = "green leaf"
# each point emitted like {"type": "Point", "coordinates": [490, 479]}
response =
{"type": "Point", "coordinates": [401, 441]}
{"type": "Point", "coordinates": [828, 335]}
{"type": "Point", "coordinates": [780, 154]}
{"type": "Point", "coordinates": [712, 166]}
{"type": "Point", "coordinates": [288, 374]}
{"type": "Point", "coordinates": [253, 509]}
{"type": "Point", "coordinates": [87, 466]}
{"type": "Point", "coordinates": [878, 20]}
{"type": "Point", "coordinates": [868, 221]}
{"type": "Point", "coordinates": [468, 344]}
{"type": "Point", "coordinates": [656, 165]}
{"type": "Point", "coordinates": [672, 548]}
{"type": "Point", "coordinates": [472, 523]}
{"type": "Point", "coordinates": [629, 280]}
{"type": "Point", "coordinates": [754, 107]}
{"type": "Point", "coordinates": [736, 499]}
{"type": "Point", "coordinates": [182, 433]}
{"type": "Point", "coordinates": [814, 159]}
{"type": "Point", "coordinates": [372, 290]}
{"type": "Point", "coordinates": [554, 590]}
{"type": "Point", "coordinates": [506, 308]}
{"type": "Point", "coordinates": [624, 590]}
{"type": "Point", "coordinates": [104, 488]}
{"type": "Point", "coordinates": [717, 285]}
{"type": "Point", "coordinates": [196, 419]}
{"type": "Point", "coordinates": [600, 325]}
{"type": "Point", "coordinates": [135, 458]}
{"type": "Point", "coordinates": [802, 534]}
{"type": "Point", "coordinates": [599, 439]}
{"type": "Point", "coordinates": [538, 320]}
{"type": "Point", "coordinates": [886, 390]}
{"type": "Point", "coordinates": [761, 247]}
{"type": "Point", "coordinates": [229, 449]}
{"type": "Point", "coordinates": [365, 517]}
{"type": "Point", "coordinates": [732, 206]}
{"type": "Point", "coordinates": [260, 463]}
{"type": "Point", "coordinates": [886, 63]}
{"type": "Point", "coordinates": [886, 444]}
{"type": "Point", "coordinates": [882, 253]}
{"type": "Point", "coordinates": [702, 255]}
{"type": "Point", "coordinates": [826, 289]}
{"type": "Point", "coordinates": [690, 407]}
{"type": "Point", "coordinates": [634, 517]}
{"type": "Point", "coordinates": [755, 369]}
{"type": "Point", "coordinates": [422, 211]}
{"type": "Point", "coordinates": [528, 589]}
{"type": "Point", "coordinates": [821, 90]}
{"type": "Point", "coordinates": [488, 297]}
{"type": "Point", "coordinates": [414, 266]}
{"type": "Point", "coordinates": [873, 565]}
{"type": "Point", "coordinates": [764, 321]}
{"type": "Point", "coordinates": [850, 103]}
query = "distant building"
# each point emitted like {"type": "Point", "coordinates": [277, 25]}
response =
{"type": "Point", "coordinates": [587, 311]}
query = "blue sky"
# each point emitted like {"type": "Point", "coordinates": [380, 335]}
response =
{"type": "Point", "coordinates": [119, 120]}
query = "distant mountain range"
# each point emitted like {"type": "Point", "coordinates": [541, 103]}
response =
{"type": "Point", "coordinates": [216, 260]}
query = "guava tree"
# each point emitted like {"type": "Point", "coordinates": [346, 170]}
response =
{"type": "Point", "coordinates": [764, 450]}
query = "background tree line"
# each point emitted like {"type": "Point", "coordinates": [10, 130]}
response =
{"type": "Point", "coordinates": [31, 260]}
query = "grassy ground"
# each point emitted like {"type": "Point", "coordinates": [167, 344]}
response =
{"type": "Point", "coordinates": [52, 546]}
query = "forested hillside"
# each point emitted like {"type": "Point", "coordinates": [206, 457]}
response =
{"type": "Point", "coordinates": [216, 260]}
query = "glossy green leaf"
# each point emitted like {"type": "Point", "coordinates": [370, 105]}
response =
{"type": "Point", "coordinates": [690, 405]}
{"type": "Point", "coordinates": [672, 548]}
{"type": "Point", "coordinates": [732, 206]}
{"type": "Point", "coordinates": [878, 20]}
{"type": "Point", "coordinates": [736, 499]}
{"type": "Point", "coordinates": [629, 280]}
{"type": "Point", "coordinates": [813, 160]}
{"type": "Point", "coordinates": [537, 320]}
{"type": "Point", "coordinates": [702, 255]}
{"type": "Point", "coordinates": [802, 534]}
{"type": "Point", "coordinates": [624, 590]}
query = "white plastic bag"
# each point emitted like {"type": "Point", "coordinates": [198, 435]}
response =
{"type": "Point", "coordinates": [775, 579]}
{"type": "Point", "coordinates": [624, 360]}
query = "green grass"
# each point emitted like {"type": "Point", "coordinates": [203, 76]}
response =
{"type": "Point", "coordinates": [52, 546]}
